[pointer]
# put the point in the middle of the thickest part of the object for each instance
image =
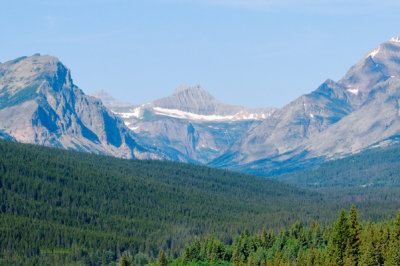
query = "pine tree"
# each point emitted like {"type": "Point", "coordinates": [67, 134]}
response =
{"type": "Point", "coordinates": [312, 257]}
{"type": "Point", "coordinates": [250, 260]}
{"type": "Point", "coordinates": [354, 240]}
{"type": "Point", "coordinates": [124, 260]}
{"type": "Point", "coordinates": [186, 255]}
{"type": "Point", "coordinates": [370, 254]}
{"type": "Point", "coordinates": [278, 258]}
{"type": "Point", "coordinates": [270, 239]}
{"type": "Point", "coordinates": [301, 258]}
{"type": "Point", "coordinates": [235, 258]}
{"type": "Point", "coordinates": [393, 256]}
{"type": "Point", "coordinates": [263, 238]}
{"type": "Point", "coordinates": [318, 240]}
{"type": "Point", "coordinates": [195, 249]}
{"type": "Point", "coordinates": [162, 259]}
{"type": "Point", "coordinates": [339, 239]}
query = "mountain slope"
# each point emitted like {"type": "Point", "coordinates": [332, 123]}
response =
{"type": "Point", "coordinates": [374, 168]}
{"type": "Point", "coordinates": [83, 207]}
{"type": "Point", "coordinates": [111, 102]}
{"type": "Point", "coordinates": [380, 64]}
{"type": "Point", "coordinates": [81, 203]}
{"type": "Point", "coordinates": [375, 123]}
{"type": "Point", "coordinates": [190, 125]}
{"type": "Point", "coordinates": [338, 119]}
{"type": "Point", "coordinates": [40, 104]}
{"type": "Point", "coordinates": [286, 130]}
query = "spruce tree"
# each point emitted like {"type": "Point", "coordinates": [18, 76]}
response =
{"type": "Point", "coordinates": [277, 258]}
{"type": "Point", "coordinates": [124, 260]}
{"type": "Point", "coordinates": [270, 239]}
{"type": "Point", "coordinates": [195, 249]}
{"type": "Point", "coordinates": [301, 259]}
{"type": "Point", "coordinates": [162, 259]}
{"type": "Point", "coordinates": [354, 241]}
{"type": "Point", "coordinates": [339, 239]}
{"type": "Point", "coordinates": [186, 255]}
{"type": "Point", "coordinates": [371, 249]}
{"type": "Point", "coordinates": [393, 256]}
{"type": "Point", "coordinates": [312, 257]}
{"type": "Point", "coordinates": [235, 258]}
{"type": "Point", "coordinates": [263, 238]}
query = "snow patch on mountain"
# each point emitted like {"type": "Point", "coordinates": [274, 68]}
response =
{"type": "Point", "coordinates": [175, 113]}
{"type": "Point", "coordinates": [374, 52]}
{"type": "Point", "coordinates": [395, 39]}
{"type": "Point", "coordinates": [354, 91]}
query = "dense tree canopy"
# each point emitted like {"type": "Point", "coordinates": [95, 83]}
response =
{"type": "Point", "coordinates": [61, 207]}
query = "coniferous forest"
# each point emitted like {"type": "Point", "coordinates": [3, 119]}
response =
{"type": "Point", "coordinates": [62, 207]}
{"type": "Point", "coordinates": [347, 242]}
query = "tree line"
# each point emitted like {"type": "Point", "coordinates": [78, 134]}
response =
{"type": "Point", "coordinates": [347, 242]}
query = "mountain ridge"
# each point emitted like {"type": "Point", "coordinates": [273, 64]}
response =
{"type": "Point", "coordinates": [40, 104]}
{"type": "Point", "coordinates": [358, 112]}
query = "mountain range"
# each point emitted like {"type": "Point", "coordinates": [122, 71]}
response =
{"type": "Point", "coordinates": [190, 125]}
{"type": "Point", "coordinates": [40, 104]}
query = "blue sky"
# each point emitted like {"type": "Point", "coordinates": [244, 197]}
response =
{"type": "Point", "coordinates": [255, 53]}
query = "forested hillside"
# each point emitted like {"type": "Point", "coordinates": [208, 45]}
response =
{"type": "Point", "coordinates": [347, 242]}
{"type": "Point", "coordinates": [62, 207]}
{"type": "Point", "coordinates": [83, 207]}
{"type": "Point", "coordinates": [372, 168]}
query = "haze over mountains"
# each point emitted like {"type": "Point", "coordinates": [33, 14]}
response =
{"type": "Point", "coordinates": [190, 125]}
{"type": "Point", "coordinates": [40, 104]}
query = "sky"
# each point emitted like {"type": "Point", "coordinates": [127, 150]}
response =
{"type": "Point", "coordinates": [255, 53]}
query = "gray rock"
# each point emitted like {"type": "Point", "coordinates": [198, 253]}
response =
{"type": "Point", "coordinates": [190, 125]}
{"type": "Point", "coordinates": [40, 104]}
{"type": "Point", "coordinates": [338, 119]}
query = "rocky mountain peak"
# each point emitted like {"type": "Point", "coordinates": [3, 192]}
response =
{"type": "Point", "coordinates": [380, 64]}
{"type": "Point", "coordinates": [111, 102]}
{"type": "Point", "coordinates": [32, 74]}
{"type": "Point", "coordinates": [40, 104]}
{"type": "Point", "coordinates": [186, 88]}
{"type": "Point", "coordinates": [395, 39]}
{"type": "Point", "coordinates": [189, 94]}
{"type": "Point", "coordinates": [194, 100]}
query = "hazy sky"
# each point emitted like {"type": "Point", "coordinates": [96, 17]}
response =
{"type": "Point", "coordinates": [256, 53]}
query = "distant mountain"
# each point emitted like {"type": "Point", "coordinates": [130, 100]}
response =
{"type": "Point", "coordinates": [190, 125]}
{"type": "Point", "coordinates": [338, 119]}
{"type": "Point", "coordinates": [111, 102]}
{"type": "Point", "coordinates": [40, 104]}
{"type": "Point", "coordinates": [379, 65]}
{"type": "Point", "coordinates": [373, 168]}
{"type": "Point", "coordinates": [196, 104]}
{"type": "Point", "coordinates": [285, 132]}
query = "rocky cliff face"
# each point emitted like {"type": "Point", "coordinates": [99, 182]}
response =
{"type": "Point", "coordinates": [379, 65]}
{"type": "Point", "coordinates": [196, 100]}
{"type": "Point", "coordinates": [40, 104]}
{"type": "Point", "coordinates": [190, 125]}
{"type": "Point", "coordinates": [337, 119]}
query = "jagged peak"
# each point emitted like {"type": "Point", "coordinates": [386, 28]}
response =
{"type": "Point", "coordinates": [376, 66]}
{"type": "Point", "coordinates": [35, 58]}
{"type": "Point", "coordinates": [36, 70]}
{"type": "Point", "coordinates": [381, 48]}
{"type": "Point", "coordinates": [186, 88]}
{"type": "Point", "coordinates": [108, 100]}
{"type": "Point", "coordinates": [395, 39]}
